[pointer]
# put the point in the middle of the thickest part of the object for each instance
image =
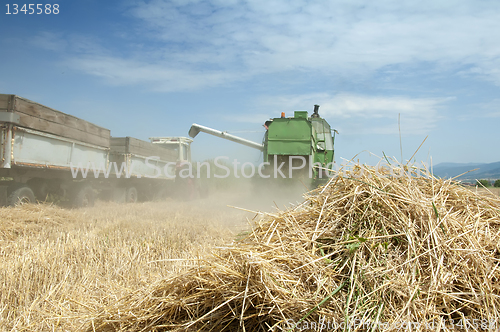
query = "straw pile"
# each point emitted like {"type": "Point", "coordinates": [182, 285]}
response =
{"type": "Point", "coordinates": [365, 251]}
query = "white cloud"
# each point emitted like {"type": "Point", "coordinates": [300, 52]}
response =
{"type": "Point", "coordinates": [492, 108]}
{"type": "Point", "coordinates": [251, 118]}
{"type": "Point", "coordinates": [49, 41]}
{"type": "Point", "coordinates": [366, 114]}
{"type": "Point", "coordinates": [219, 42]}
{"type": "Point", "coordinates": [488, 70]}
{"type": "Point", "coordinates": [335, 37]}
{"type": "Point", "coordinates": [75, 44]}
{"type": "Point", "coordinates": [158, 76]}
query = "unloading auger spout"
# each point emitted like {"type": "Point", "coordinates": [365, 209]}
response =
{"type": "Point", "coordinates": [196, 128]}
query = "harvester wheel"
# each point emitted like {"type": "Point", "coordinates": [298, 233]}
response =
{"type": "Point", "coordinates": [131, 195]}
{"type": "Point", "coordinates": [20, 196]}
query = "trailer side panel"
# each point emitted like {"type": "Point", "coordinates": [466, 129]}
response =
{"type": "Point", "coordinates": [39, 117]}
{"type": "Point", "coordinates": [32, 148]}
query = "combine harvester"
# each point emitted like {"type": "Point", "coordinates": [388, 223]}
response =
{"type": "Point", "coordinates": [44, 151]}
{"type": "Point", "coordinates": [300, 146]}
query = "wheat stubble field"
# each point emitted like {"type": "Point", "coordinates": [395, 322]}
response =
{"type": "Point", "coordinates": [59, 266]}
{"type": "Point", "coordinates": [412, 253]}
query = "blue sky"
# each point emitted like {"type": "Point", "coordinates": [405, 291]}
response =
{"type": "Point", "coordinates": [151, 68]}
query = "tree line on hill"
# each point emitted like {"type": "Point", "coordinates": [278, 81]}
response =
{"type": "Point", "coordinates": [488, 183]}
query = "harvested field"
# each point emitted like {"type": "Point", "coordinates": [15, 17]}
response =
{"type": "Point", "coordinates": [366, 251]}
{"type": "Point", "coordinates": [58, 267]}
{"type": "Point", "coordinates": [488, 191]}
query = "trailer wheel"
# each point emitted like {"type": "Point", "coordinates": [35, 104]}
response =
{"type": "Point", "coordinates": [40, 188]}
{"type": "Point", "coordinates": [20, 196]}
{"type": "Point", "coordinates": [83, 196]}
{"type": "Point", "coordinates": [131, 195]}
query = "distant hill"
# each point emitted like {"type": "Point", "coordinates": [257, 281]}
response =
{"type": "Point", "coordinates": [485, 171]}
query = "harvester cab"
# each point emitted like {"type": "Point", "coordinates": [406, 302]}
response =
{"type": "Point", "coordinates": [294, 139]}
{"type": "Point", "coordinates": [302, 143]}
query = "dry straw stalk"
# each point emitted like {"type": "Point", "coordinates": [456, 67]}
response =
{"type": "Point", "coordinates": [368, 251]}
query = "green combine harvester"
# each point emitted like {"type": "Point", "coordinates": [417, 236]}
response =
{"type": "Point", "coordinates": [299, 146]}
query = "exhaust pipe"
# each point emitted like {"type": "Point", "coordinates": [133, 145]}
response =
{"type": "Point", "coordinates": [315, 112]}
